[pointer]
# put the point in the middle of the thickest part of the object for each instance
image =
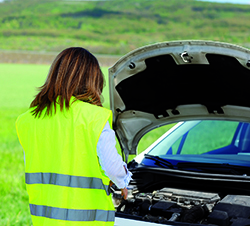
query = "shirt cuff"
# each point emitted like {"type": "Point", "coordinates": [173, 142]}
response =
{"type": "Point", "coordinates": [128, 176]}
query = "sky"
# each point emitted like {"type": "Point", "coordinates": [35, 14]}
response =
{"type": "Point", "coordinates": [247, 2]}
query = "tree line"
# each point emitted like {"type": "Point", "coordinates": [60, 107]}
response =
{"type": "Point", "coordinates": [116, 27]}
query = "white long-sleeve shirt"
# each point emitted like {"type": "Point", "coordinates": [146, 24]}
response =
{"type": "Point", "coordinates": [110, 161]}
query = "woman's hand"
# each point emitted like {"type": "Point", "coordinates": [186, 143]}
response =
{"type": "Point", "coordinates": [124, 193]}
{"type": "Point", "coordinates": [124, 190]}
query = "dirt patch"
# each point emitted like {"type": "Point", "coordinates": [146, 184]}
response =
{"type": "Point", "coordinates": [19, 57]}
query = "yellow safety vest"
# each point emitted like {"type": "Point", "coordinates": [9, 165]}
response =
{"type": "Point", "coordinates": [64, 180]}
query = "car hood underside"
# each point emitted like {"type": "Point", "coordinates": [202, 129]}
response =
{"type": "Point", "coordinates": [175, 81]}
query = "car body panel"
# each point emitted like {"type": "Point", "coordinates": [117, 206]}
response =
{"type": "Point", "coordinates": [176, 81]}
{"type": "Point", "coordinates": [125, 222]}
{"type": "Point", "coordinates": [188, 83]}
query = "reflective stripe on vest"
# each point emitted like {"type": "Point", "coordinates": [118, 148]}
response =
{"type": "Point", "coordinates": [71, 214]}
{"type": "Point", "coordinates": [66, 180]}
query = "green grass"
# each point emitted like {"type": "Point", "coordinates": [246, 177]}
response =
{"type": "Point", "coordinates": [17, 88]}
{"type": "Point", "coordinates": [117, 27]}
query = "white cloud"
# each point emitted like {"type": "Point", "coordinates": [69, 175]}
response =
{"type": "Point", "coordinates": [246, 2]}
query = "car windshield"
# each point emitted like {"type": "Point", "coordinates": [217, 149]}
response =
{"type": "Point", "coordinates": [207, 141]}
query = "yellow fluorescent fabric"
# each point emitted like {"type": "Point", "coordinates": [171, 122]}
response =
{"type": "Point", "coordinates": [79, 198]}
{"type": "Point", "coordinates": [52, 222]}
{"type": "Point", "coordinates": [63, 177]}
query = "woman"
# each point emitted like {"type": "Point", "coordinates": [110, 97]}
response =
{"type": "Point", "coordinates": [70, 155]}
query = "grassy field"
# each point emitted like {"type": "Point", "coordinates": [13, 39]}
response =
{"type": "Point", "coordinates": [17, 87]}
{"type": "Point", "coordinates": [18, 84]}
{"type": "Point", "coordinates": [117, 27]}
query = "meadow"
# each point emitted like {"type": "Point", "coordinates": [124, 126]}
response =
{"type": "Point", "coordinates": [117, 27]}
{"type": "Point", "coordinates": [17, 87]}
{"type": "Point", "coordinates": [18, 83]}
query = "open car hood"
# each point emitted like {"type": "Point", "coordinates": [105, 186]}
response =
{"type": "Point", "coordinates": [175, 81]}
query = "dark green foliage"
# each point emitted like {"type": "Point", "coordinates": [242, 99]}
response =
{"type": "Point", "coordinates": [116, 27]}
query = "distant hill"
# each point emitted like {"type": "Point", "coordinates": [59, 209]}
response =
{"type": "Point", "coordinates": [116, 27]}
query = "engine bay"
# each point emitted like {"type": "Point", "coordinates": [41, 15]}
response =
{"type": "Point", "coordinates": [172, 206]}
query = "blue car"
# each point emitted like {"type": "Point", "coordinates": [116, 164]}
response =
{"type": "Point", "coordinates": [198, 172]}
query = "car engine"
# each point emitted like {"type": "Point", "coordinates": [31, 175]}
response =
{"type": "Point", "coordinates": [170, 205]}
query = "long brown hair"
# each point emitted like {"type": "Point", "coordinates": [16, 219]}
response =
{"type": "Point", "coordinates": [74, 72]}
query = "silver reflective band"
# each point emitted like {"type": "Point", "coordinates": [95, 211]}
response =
{"type": "Point", "coordinates": [72, 214]}
{"type": "Point", "coordinates": [66, 180]}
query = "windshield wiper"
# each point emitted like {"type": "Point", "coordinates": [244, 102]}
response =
{"type": "Point", "coordinates": [214, 168]}
{"type": "Point", "coordinates": [159, 161]}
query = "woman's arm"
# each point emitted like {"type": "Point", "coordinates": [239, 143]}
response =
{"type": "Point", "coordinates": [111, 162]}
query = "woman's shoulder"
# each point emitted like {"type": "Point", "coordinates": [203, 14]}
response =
{"type": "Point", "coordinates": [78, 104]}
